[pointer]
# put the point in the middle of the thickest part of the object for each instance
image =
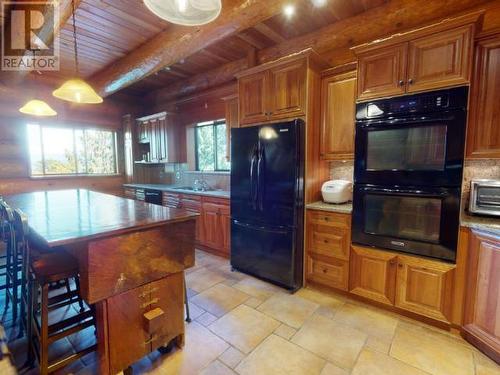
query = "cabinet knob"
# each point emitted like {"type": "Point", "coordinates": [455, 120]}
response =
{"type": "Point", "coordinates": [401, 82]}
{"type": "Point", "coordinates": [410, 81]}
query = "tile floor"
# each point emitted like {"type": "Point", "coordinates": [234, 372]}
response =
{"type": "Point", "coordinates": [242, 325]}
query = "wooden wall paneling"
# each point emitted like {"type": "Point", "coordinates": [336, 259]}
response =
{"type": "Point", "coordinates": [482, 305]}
{"type": "Point", "coordinates": [483, 133]}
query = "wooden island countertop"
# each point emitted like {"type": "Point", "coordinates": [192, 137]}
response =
{"type": "Point", "coordinates": [131, 256]}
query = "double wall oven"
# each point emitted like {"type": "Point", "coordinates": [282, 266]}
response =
{"type": "Point", "coordinates": [408, 172]}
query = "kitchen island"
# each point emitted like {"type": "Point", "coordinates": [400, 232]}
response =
{"type": "Point", "coordinates": [131, 255]}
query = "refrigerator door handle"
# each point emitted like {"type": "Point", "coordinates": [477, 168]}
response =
{"type": "Point", "coordinates": [253, 188]}
{"type": "Point", "coordinates": [262, 228]}
{"type": "Point", "coordinates": [260, 177]}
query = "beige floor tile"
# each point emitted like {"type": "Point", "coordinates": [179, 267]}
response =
{"type": "Point", "coordinates": [378, 345]}
{"type": "Point", "coordinates": [257, 288]}
{"type": "Point", "coordinates": [277, 356]}
{"type": "Point", "coordinates": [333, 301]}
{"type": "Point", "coordinates": [206, 319]}
{"type": "Point", "coordinates": [231, 357]}
{"type": "Point", "coordinates": [375, 363]}
{"type": "Point", "coordinates": [253, 302]}
{"type": "Point", "coordinates": [220, 299]}
{"type": "Point", "coordinates": [331, 340]}
{"type": "Point", "coordinates": [194, 311]}
{"type": "Point", "coordinates": [289, 309]}
{"type": "Point", "coordinates": [203, 279]}
{"type": "Point", "coordinates": [202, 347]}
{"type": "Point", "coordinates": [217, 368]}
{"type": "Point", "coordinates": [325, 311]}
{"type": "Point", "coordinates": [484, 365]}
{"type": "Point", "coordinates": [244, 328]}
{"type": "Point", "coordinates": [432, 352]}
{"type": "Point", "coordinates": [371, 321]}
{"type": "Point", "coordinates": [285, 331]}
{"type": "Point", "coordinates": [331, 369]}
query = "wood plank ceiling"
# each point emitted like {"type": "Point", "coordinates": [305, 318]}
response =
{"type": "Point", "coordinates": [109, 29]}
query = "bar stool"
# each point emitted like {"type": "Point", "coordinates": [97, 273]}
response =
{"type": "Point", "coordinates": [40, 272]}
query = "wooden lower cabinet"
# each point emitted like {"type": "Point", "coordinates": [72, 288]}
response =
{"type": "Point", "coordinates": [482, 302]}
{"type": "Point", "coordinates": [373, 274]}
{"type": "Point", "coordinates": [328, 237]}
{"type": "Point", "coordinates": [216, 223]}
{"type": "Point", "coordinates": [425, 287]}
{"type": "Point", "coordinates": [129, 336]}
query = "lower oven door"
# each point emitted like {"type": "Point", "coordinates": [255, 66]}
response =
{"type": "Point", "coordinates": [422, 221]}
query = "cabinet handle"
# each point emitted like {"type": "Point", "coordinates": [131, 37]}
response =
{"type": "Point", "coordinates": [393, 262]}
{"type": "Point", "coordinates": [326, 218]}
{"type": "Point", "coordinates": [410, 81]}
{"type": "Point", "coordinates": [153, 301]}
{"type": "Point", "coordinates": [401, 82]}
{"type": "Point", "coordinates": [153, 338]}
{"type": "Point", "coordinates": [325, 270]}
{"type": "Point", "coordinates": [326, 241]}
{"type": "Point", "coordinates": [147, 292]}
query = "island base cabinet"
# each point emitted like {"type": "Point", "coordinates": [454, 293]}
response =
{"type": "Point", "coordinates": [142, 320]}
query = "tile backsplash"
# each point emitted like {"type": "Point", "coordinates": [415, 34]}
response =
{"type": "Point", "coordinates": [342, 170]}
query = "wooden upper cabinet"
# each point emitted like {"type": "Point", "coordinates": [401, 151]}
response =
{"type": "Point", "coordinates": [373, 274]}
{"type": "Point", "coordinates": [338, 96]}
{"type": "Point", "coordinates": [425, 287]}
{"type": "Point", "coordinates": [287, 90]}
{"type": "Point", "coordinates": [482, 302]}
{"type": "Point", "coordinates": [253, 98]}
{"type": "Point", "coordinates": [382, 71]}
{"type": "Point", "coordinates": [483, 134]}
{"type": "Point", "coordinates": [232, 120]}
{"type": "Point", "coordinates": [441, 59]}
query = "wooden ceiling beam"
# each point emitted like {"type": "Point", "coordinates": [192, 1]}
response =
{"type": "Point", "coordinates": [46, 35]}
{"type": "Point", "coordinates": [178, 42]}
{"type": "Point", "coordinates": [269, 32]}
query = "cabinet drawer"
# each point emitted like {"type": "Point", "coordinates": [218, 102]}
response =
{"type": "Point", "coordinates": [329, 241]}
{"type": "Point", "coordinates": [214, 200]}
{"type": "Point", "coordinates": [129, 193]}
{"type": "Point", "coordinates": [329, 218]}
{"type": "Point", "coordinates": [333, 273]}
{"type": "Point", "coordinates": [191, 202]}
{"type": "Point", "coordinates": [171, 200]}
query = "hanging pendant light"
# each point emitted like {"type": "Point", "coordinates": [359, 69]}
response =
{"type": "Point", "coordinates": [185, 12]}
{"type": "Point", "coordinates": [76, 90]}
{"type": "Point", "coordinates": [37, 107]}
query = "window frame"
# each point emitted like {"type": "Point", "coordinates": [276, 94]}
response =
{"type": "Point", "coordinates": [213, 124]}
{"type": "Point", "coordinates": [74, 128]}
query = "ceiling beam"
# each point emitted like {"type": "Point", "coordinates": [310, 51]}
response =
{"type": "Point", "coordinates": [179, 42]}
{"type": "Point", "coordinates": [46, 35]}
{"type": "Point", "coordinates": [328, 41]}
{"type": "Point", "coordinates": [269, 33]}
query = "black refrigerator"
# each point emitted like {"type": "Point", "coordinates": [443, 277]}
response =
{"type": "Point", "coordinates": [267, 202]}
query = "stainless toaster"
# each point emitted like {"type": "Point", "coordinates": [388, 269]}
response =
{"type": "Point", "coordinates": [485, 197]}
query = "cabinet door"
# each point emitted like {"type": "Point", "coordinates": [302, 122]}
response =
{"type": "Point", "coordinates": [225, 225]}
{"type": "Point", "coordinates": [212, 236]}
{"type": "Point", "coordinates": [253, 95]}
{"type": "Point", "coordinates": [153, 139]}
{"type": "Point", "coordinates": [192, 203]}
{"type": "Point", "coordinates": [382, 72]}
{"type": "Point", "coordinates": [425, 287]}
{"type": "Point", "coordinates": [287, 97]}
{"type": "Point", "coordinates": [127, 337]}
{"type": "Point", "coordinates": [162, 132]}
{"type": "Point", "coordinates": [440, 60]}
{"type": "Point", "coordinates": [330, 272]}
{"type": "Point", "coordinates": [373, 274]}
{"type": "Point", "coordinates": [338, 98]}
{"type": "Point", "coordinates": [482, 303]}
{"type": "Point", "coordinates": [483, 135]}
{"type": "Point", "coordinates": [143, 131]}
{"type": "Point", "coordinates": [232, 121]}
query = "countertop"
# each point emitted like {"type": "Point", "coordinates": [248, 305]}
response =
{"type": "Point", "coordinates": [62, 217]}
{"type": "Point", "coordinates": [344, 208]}
{"type": "Point", "coordinates": [173, 189]}
{"type": "Point", "coordinates": [491, 224]}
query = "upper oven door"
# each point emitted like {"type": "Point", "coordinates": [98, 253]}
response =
{"type": "Point", "coordinates": [413, 220]}
{"type": "Point", "coordinates": [413, 150]}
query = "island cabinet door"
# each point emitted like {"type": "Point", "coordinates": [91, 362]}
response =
{"type": "Point", "coordinates": [128, 341]}
{"type": "Point", "coordinates": [425, 287]}
{"type": "Point", "coordinates": [373, 274]}
{"type": "Point", "coordinates": [382, 71]}
{"type": "Point", "coordinates": [212, 236]}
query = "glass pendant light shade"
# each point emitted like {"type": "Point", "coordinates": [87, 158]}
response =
{"type": "Point", "coordinates": [77, 91]}
{"type": "Point", "coordinates": [185, 12]}
{"type": "Point", "coordinates": [37, 108]}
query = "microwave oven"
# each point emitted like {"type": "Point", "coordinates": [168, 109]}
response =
{"type": "Point", "coordinates": [485, 197]}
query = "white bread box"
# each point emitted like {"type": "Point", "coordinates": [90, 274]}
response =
{"type": "Point", "coordinates": [337, 191]}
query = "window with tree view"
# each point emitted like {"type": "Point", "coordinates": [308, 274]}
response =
{"type": "Point", "coordinates": [211, 143]}
{"type": "Point", "coordinates": [71, 151]}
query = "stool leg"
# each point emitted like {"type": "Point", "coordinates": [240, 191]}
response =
{"type": "Point", "coordinates": [24, 289]}
{"type": "Point", "coordinates": [29, 324]}
{"type": "Point", "coordinates": [8, 271]}
{"type": "Point", "coordinates": [44, 342]}
{"type": "Point", "coordinates": [15, 278]}
{"type": "Point", "coordinates": [80, 302]}
{"type": "Point", "coordinates": [188, 317]}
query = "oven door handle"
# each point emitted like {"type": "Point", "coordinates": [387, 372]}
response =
{"type": "Point", "coordinates": [419, 193]}
{"type": "Point", "coordinates": [405, 120]}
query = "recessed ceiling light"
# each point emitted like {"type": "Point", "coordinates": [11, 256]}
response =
{"type": "Point", "coordinates": [289, 10]}
{"type": "Point", "coordinates": [319, 3]}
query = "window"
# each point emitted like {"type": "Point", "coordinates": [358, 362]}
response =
{"type": "Point", "coordinates": [71, 151]}
{"type": "Point", "coordinates": [211, 143]}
